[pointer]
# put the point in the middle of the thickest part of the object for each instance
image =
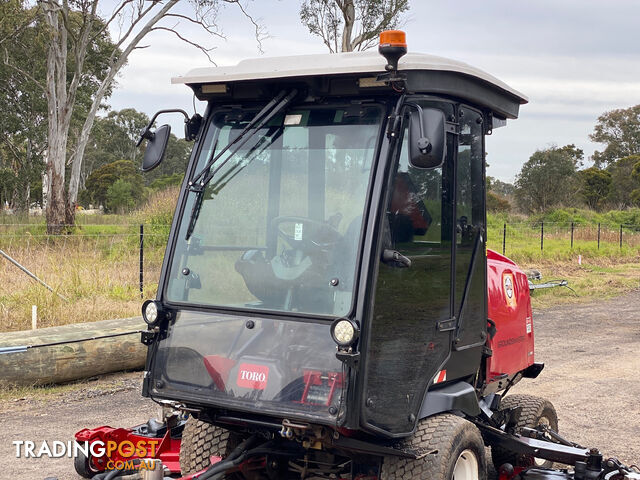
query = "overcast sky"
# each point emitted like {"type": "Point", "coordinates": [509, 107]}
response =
{"type": "Point", "coordinates": [574, 59]}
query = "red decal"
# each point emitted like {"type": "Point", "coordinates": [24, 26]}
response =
{"type": "Point", "coordinates": [441, 377]}
{"type": "Point", "coordinates": [253, 376]}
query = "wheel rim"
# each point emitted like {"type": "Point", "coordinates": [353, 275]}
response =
{"type": "Point", "coordinates": [541, 462]}
{"type": "Point", "coordinates": [466, 467]}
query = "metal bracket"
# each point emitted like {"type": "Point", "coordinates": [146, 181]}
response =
{"type": "Point", "coordinates": [447, 325]}
{"type": "Point", "coordinates": [349, 359]}
{"type": "Point", "coordinates": [148, 337]}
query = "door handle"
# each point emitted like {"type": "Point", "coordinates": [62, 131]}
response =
{"type": "Point", "coordinates": [395, 259]}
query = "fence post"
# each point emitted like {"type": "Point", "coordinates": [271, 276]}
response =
{"type": "Point", "coordinates": [141, 260]}
{"type": "Point", "coordinates": [504, 238]}
{"type": "Point", "coordinates": [571, 235]}
{"type": "Point", "coordinates": [598, 235]}
{"type": "Point", "coordinates": [541, 235]}
{"type": "Point", "coordinates": [621, 236]}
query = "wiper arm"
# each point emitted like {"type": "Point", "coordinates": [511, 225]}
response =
{"type": "Point", "coordinates": [264, 116]}
{"type": "Point", "coordinates": [244, 131]}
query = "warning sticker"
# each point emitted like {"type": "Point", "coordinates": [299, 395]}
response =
{"type": "Point", "coordinates": [509, 292]}
{"type": "Point", "coordinates": [298, 232]}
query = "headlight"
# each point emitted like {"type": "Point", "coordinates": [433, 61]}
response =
{"type": "Point", "coordinates": [152, 313]}
{"type": "Point", "coordinates": [344, 332]}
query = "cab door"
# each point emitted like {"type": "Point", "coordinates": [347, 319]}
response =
{"type": "Point", "coordinates": [410, 330]}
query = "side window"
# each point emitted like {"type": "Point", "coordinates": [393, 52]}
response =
{"type": "Point", "coordinates": [470, 219]}
{"type": "Point", "coordinates": [414, 215]}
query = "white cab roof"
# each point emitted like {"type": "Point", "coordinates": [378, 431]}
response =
{"type": "Point", "coordinates": [333, 64]}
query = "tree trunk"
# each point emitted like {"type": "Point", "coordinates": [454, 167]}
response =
{"type": "Point", "coordinates": [58, 121]}
{"type": "Point", "coordinates": [118, 62]}
{"type": "Point", "coordinates": [75, 360]}
{"type": "Point", "coordinates": [349, 14]}
{"type": "Point", "coordinates": [76, 168]}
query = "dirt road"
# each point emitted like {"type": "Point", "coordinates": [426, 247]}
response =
{"type": "Point", "coordinates": [592, 353]}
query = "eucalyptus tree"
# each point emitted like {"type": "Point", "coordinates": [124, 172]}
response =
{"type": "Point", "coordinates": [350, 25]}
{"type": "Point", "coordinates": [81, 33]}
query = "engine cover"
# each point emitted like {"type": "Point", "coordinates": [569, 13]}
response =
{"type": "Point", "coordinates": [510, 310]}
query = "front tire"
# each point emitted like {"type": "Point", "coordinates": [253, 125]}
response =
{"type": "Point", "coordinates": [200, 441]}
{"type": "Point", "coordinates": [455, 452]}
{"type": "Point", "coordinates": [535, 411]}
{"type": "Point", "coordinates": [83, 466]}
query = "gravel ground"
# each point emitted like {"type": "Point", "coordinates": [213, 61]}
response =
{"type": "Point", "coordinates": [593, 364]}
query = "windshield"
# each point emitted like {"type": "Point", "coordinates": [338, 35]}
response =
{"type": "Point", "coordinates": [280, 222]}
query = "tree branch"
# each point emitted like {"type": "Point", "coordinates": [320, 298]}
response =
{"type": "Point", "coordinates": [22, 72]}
{"type": "Point", "coordinates": [201, 23]}
{"type": "Point", "coordinates": [186, 40]}
{"type": "Point", "coordinates": [111, 19]}
{"type": "Point", "coordinates": [22, 26]}
{"type": "Point", "coordinates": [259, 31]}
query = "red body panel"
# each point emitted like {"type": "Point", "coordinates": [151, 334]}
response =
{"type": "Point", "coordinates": [510, 309]}
{"type": "Point", "coordinates": [165, 448]}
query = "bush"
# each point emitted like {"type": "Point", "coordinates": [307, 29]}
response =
{"type": "Point", "coordinates": [167, 181]}
{"type": "Point", "coordinates": [497, 203]}
{"type": "Point", "coordinates": [121, 197]}
{"type": "Point", "coordinates": [103, 178]}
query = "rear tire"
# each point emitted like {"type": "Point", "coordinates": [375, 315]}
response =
{"type": "Point", "coordinates": [535, 411]}
{"type": "Point", "coordinates": [201, 441]}
{"type": "Point", "coordinates": [457, 448]}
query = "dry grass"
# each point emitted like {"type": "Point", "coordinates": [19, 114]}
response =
{"type": "Point", "coordinates": [96, 268]}
{"type": "Point", "coordinates": [99, 274]}
{"type": "Point", "coordinates": [597, 279]}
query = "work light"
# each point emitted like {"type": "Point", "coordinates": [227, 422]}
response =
{"type": "Point", "coordinates": [152, 313]}
{"type": "Point", "coordinates": [344, 332]}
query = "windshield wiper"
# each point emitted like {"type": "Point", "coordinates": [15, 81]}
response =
{"type": "Point", "coordinates": [200, 181]}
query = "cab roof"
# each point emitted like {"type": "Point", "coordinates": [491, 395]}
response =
{"type": "Point", "coordinates": [425, 73]}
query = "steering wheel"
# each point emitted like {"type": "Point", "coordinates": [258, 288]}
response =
{"type": "Point", "coordinates": [307, 234]}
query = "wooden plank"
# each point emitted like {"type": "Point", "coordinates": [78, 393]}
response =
{"type": "Point", "coordinates": [72, 361]}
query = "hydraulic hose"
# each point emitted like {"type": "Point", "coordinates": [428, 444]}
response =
{"type": "Point", "coordinates": [236, 457]}
{"type": "Point", "coordinates": [111, 474]}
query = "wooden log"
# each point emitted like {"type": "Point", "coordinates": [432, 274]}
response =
{"type": "Point", "coordinates": [74, 360]}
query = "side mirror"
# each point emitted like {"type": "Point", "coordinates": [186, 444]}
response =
{"type": "Point", "coordinates": [427, 137]}
{"type": "Point", "coordinates": [156, 146]}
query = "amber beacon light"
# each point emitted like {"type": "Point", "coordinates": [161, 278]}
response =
{"type": "Point", "coordinates": [393, 45]}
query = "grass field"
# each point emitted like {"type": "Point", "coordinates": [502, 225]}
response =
{"type": "Point", "coordinates": [96, 266]}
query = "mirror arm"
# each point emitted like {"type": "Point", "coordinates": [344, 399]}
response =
{"type": "Point", "coordinates": [423, 142]}
{"type": "Point", "coordinates": [146, 131]}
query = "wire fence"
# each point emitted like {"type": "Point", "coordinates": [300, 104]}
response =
{"type": "Point", "coordinates": [120, 256]}
{"type": "Point", "coordinates": [130, 255]}
{"type": "Point", "coordinates": [605, 239]}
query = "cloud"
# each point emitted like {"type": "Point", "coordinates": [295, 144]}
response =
{"type": "Point", "coordinates": [575, 59]}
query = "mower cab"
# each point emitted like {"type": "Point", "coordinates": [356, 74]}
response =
{"type": "Point", "coordinates": [326, 276]}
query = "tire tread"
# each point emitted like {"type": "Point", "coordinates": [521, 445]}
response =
{"type": "Point", "coordinates": [438, 434]}
{"type": "Point", "coordinates": [200, 441]}
{"type": "Point", "coordinates": [532, 408]}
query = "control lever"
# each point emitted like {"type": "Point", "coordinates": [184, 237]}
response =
{"type": "Point", "coordinates": [395, 259]}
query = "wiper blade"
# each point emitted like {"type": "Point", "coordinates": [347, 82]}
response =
{"type": "Point", "coordinates": [244, 131]}
{"type": "Point", "coordinates": [263, 117]}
